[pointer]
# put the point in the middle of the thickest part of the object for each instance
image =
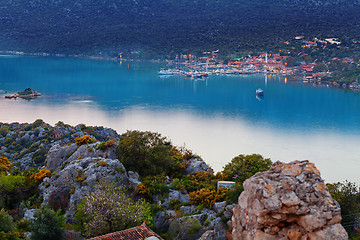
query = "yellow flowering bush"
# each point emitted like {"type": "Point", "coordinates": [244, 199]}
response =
{"type": "Point", "coordinates": [207, 197]}
{"type": "Point", "coordinates": [102, 163]}
{"type": "Point", "coordinates": [5, 164]}
{"type": "Point", "coordinates": [86, 139]}
{"type": "Point", "coordinates": [39, 176]}
{"type": "Point", "coordinates": [142, 189]}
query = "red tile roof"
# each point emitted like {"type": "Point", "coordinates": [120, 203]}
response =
{"type": "Point", "coordinates": [136, 233]}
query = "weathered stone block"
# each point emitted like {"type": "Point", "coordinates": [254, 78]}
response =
{"type": "Point", "coordinates": [290, 201]}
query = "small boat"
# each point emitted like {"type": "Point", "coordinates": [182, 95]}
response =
{"type": "Point", "coordinates": [166, 72]}
{"type": "Point", "coordinates": [259, 92]}
{"type": "Point", "coordinates": [11, 96]}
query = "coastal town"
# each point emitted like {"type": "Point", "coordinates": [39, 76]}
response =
{"type": "Point", "coordinates": [287, 61]}
{"type": "Point", "coordinates": [327, 61]}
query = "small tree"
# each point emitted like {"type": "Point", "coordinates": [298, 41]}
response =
{"type": "Point", "coordinates": [7, 227]}
{"type": "Point", "coordinates": [244, 166]}
{"type": "Point", "coordinates": [6, 221]}
{"type": "Point", "coordinates": [347, 194]}
{"type": "Point", "coordinates": [47, 225]}
{"type": "Point", "coordinates": [38, 123]}
{"type": "Point", "coordinates": [4, 130]}
{"type": "Point", "coordinates": [108, 209]}
{"type": "Point", "coordinates": [146, 152]}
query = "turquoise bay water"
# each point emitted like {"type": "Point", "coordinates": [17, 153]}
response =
{"type": "Point", "coordinates": [218, 118]}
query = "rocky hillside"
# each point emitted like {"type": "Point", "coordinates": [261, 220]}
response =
{"type": "Point", "coordinates": [74, 160]}
{"type": "Point", "coordinates": [60, 166]}
{"type": "Point", "coordinates": [27, 144]}
{"type": "Point", "coordinates": [77, 169]}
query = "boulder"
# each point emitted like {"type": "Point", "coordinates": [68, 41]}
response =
{"type": "Point", "coordinates": [220, 230]}
{"type": "Point", "coordinates": [188, 210]}
{"type": "Point", "coordinates": [290, 201]}
{"type": "Point", "coordinates": [58, 155]}
{"type": "Point", "coordinates": [219, 206]}
{"type": "Point", "coordinates": [29, 214]}
{"type": "Point", "coordinates": [228, 212]}
{"type": "Point", "coordinates": [197, 165]}
{"type": "Point", "coordinates": [161, 220]}
{"type": "Point", "coordinates": [133, 179]}
{"type": "Point", "coordinates": [188, 227]}
{"type": "Point", "coordinates": [175, 194]}
{"type": "Point", "coordinates": [208, 235]}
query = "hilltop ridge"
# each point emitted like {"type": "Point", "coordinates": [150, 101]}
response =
{"type": "Point", "coordinates": [165, 27]}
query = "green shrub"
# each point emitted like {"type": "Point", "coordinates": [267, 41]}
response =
{"type": "Point", "coordinates": [10, 235]}
{"type": "Point", "coordinates": [14, 189]}
{"type": "Point", "coordinates": [120, 169]}
{"type": "Point", "coordinates": [155, 184]}
{"type": "Point", "coordinates": [6, 221]}
{"type": "Point", "coordinates": [199, 180]}
{"type": "Point", "coordinates": [9, 183]}
{"type": "Point", "coordinates": [232, 195]}
{"type": "Point", "coordinates": [102, 146]}
{"type": "Point", "coordinates": [4, 130]}
{"type": "Point", "coordinates": [347, 194]}
{"type": "Point", "coordinates": [175, 204]}
{"type": "Point", "coordinates": [47, 225]}
{"type": "Point", "coordinates": [37, 123]}
{"type": "Point", "coordinates": [40, 156]}
{"type": "Point", "coordinates": [244, 166]}
{"type": "Point", "coordinates": [28, 127]}
{"type": "Point", "coordinates": [146, 152]}
{"type": "Point", "coordinates": [7, 227]}
{"type": "Point", "coordinates": [184, 228]}
{"type": "Point", "coordinates": [105, 145]}
{"type": "Point", "coordinates": [69, 154]}
{"type": "Point", "coordinates": [59, 124]}
{"type": "Point", "coordinates": [23, 225]}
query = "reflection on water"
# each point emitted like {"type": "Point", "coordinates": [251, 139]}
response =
{"type": "Point", "coordinates": [217, 138]}
{"type": "Point", "coordinates": [218, 117]}
{"type": "Point", "coordinates": [259, 97]}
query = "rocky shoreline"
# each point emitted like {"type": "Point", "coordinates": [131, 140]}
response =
{"type": "Point", "coordinates": [26, 94]}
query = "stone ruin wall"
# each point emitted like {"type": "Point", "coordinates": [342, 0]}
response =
{"type": "Point", "coordinates": [288, 202]}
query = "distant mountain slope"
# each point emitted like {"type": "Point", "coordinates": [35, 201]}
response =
{"type": "Point", "coordinates": [89, 26]}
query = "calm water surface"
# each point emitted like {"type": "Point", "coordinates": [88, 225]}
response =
{"type": "Point", "coordinates": [218, 118]}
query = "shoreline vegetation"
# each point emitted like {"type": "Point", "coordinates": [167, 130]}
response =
{"type": "Point", "coordinates": [61, 171]}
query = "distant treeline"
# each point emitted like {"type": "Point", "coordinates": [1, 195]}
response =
{"type": "Point", "coordinates": [166, 27]}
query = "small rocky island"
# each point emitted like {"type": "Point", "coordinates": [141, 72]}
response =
{"type": "Point", "coordinates": [26, 94]}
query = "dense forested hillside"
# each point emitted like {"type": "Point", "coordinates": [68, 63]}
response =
{"type": "Point", "coordinates": [165, 26]}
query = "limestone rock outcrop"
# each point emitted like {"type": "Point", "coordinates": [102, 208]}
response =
{"type": "Point", "coordinates": [76, 174]}
{"type": "Point", "coordinates": [58, 156]}
{"type": "Point", "coordinates": [197, 165]}
{"type": "Point", "coordinates": [290, 201]}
